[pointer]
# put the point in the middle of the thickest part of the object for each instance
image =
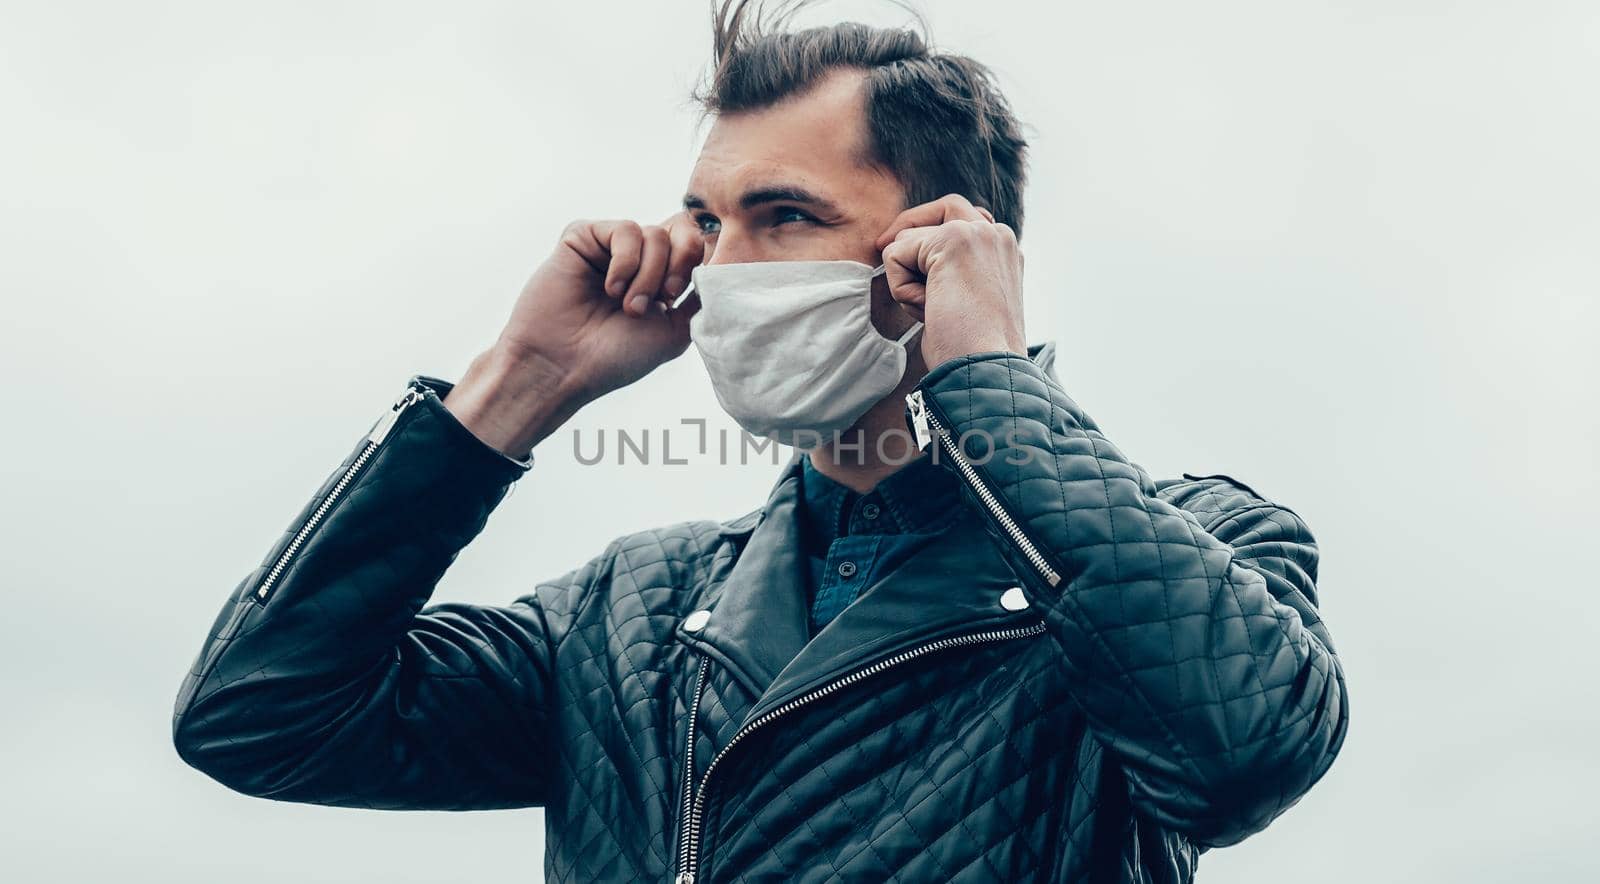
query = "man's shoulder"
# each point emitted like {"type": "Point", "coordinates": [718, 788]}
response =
{"type": "Point", "coordinates": [682, 540]}
{"type": "Point", "coordinates": [1213, 492]}
{"type": "Point", "coordinates": [662, 564]}
{"type": "Point", "coordinates": [1216, 497]}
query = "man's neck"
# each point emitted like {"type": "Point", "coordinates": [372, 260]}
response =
{"type": "Point", "coordinates": [885, 446]}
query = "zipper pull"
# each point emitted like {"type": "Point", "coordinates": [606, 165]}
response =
{"type": "Point", "coordinates": [684, 878]}
{"type": "Point", "coordinates": [919, 418]}
{"type": "Point", "coordinates": [380, 431]}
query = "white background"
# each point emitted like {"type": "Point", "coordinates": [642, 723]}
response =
{"type": "Point", "coordinates": [1343, 251]}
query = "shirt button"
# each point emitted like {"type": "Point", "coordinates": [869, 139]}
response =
{"type": "Point", "coordinates": [869, 511]}
{"type": "Point", "coordinates": [696, 621]}
{"type": "Point", "coordinates": [847, 569]}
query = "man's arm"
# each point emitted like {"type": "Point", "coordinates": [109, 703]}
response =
{"type": "Point", "coordinates": [325, 679]}
{"type": "Point", "coordinates": [1188, 624]}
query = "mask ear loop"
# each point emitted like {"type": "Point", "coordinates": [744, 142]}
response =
{"type": "Point", "coordinates": [687, 291]}
{"type": "Point", "coordinates": [908, 333]}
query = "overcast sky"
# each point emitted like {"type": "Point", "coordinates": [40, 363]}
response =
{"type": "Point", "coordinates": [1343, 251]}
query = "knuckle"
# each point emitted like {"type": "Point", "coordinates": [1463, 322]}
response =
{"type": "Point", "coordinates": [681, 232]}
{"type": "Point", "coordinates": [657, 236]}
{"type": "Point", "coordinates": [575, 233]}
{"type": "Point", "coordinates": [963, 231]}
{"type": "Point", "coordinates": [687, 254]}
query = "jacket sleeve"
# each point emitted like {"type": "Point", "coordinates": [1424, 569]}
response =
{"type": "Point", "coordinates": [1185, 616]}
{"type": "Point", "coordinates": [325, 679]}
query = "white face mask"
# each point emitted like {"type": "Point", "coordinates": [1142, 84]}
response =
{"type": "Point", "coordinates": [791, 348]}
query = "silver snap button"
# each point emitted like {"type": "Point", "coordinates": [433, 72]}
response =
{"type": "Point", "coordinates": [696, 621]}
{"type": "Point", "coordinates": [869, 511]}
{"type": "Point", "coordinates": [847, 569]}
{"type": "Point", "coordinates": [1013, 599]}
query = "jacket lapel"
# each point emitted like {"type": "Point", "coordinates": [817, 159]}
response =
{"type": "Point", "coordinates": [950, 586]}
{"type": "Point", "coordinates": [759, 620]}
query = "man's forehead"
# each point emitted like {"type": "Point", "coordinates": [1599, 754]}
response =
{"type": "Point", "coordinates": [732, 166]}
{"type": "Point", "coordinates": [813, 139]}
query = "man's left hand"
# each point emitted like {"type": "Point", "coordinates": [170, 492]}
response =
{"type": "Point", "coordinates": [949, 264]}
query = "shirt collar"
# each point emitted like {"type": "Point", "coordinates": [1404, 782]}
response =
{"type": "Point", "coordinates": [916, 498]}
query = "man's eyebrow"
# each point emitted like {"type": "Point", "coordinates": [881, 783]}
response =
{"type": "Point", "coordinates": [772, 193]}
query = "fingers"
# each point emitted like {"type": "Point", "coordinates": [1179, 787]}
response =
{"type": "Point", "coordinates": [688, 250]}
{"type": "Point", "coordinates": [950, 207]}
{"type": "Point", "coordinates": [624, 242]}
{"type": "Point", "coordinates": [642, 264]}
{"type": "Point", "coordinates": [902, 269]}
{"type": "Point", "coordinates": [646, 284]}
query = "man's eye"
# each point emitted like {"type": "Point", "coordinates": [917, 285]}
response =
{"type": "Point", "coordinates": [787, 214]}
{"type": "Point", "coordinates": [707, 223]}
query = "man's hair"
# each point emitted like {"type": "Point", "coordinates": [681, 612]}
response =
{"type": "Point", "coordinates": [935, 120]}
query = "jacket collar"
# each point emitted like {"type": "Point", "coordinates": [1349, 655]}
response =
{"type": "Point", "coordinates": [1043, 354]}
{"type": "Point", "coordinates": [759, 623]}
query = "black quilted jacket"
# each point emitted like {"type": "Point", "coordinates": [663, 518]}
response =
{"type": "Point", "coordinates": [1095, 679]}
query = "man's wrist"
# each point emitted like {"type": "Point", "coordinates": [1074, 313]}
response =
{"type": "Point", "coordinates": [985, 346]}
{"type": "Point", "coordinates": [512, 401]}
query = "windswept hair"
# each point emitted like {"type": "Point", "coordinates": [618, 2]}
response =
{"type": "Point", "coordinates": [935, 120]}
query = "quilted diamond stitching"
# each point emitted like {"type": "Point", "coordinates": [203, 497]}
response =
{"type": "Point", "coordinates": [1154, 569]}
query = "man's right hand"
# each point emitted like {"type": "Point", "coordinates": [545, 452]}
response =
{"type": "Point", "coordinates": [593, 318]}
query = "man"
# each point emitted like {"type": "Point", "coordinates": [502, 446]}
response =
{"type": "Point", "coordinates": [1013, 657]}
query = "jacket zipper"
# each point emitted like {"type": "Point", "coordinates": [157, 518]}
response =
{"type": "Point", "coordinates": [928, 427]}
{"type": "Point", "coordinates": [688, 769]}
{"type": "Point", "coordinates": [688, 857]}
{"type": "Point", "coordinates": [380, 431]}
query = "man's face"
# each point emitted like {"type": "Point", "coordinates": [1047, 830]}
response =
{"type": "Point", "coordinates": [786, 183]}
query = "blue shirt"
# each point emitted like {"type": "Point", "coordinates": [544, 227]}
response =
{"type": "Point", "coordinates": [853, 540]}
